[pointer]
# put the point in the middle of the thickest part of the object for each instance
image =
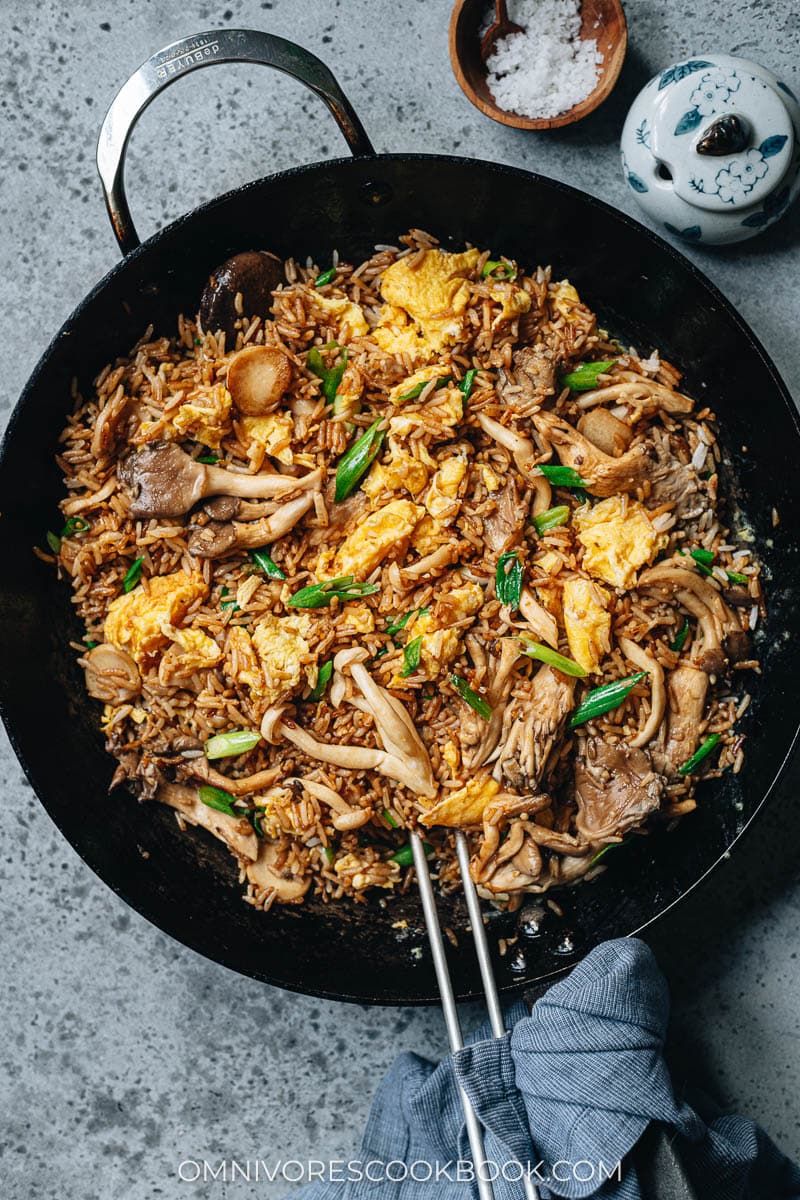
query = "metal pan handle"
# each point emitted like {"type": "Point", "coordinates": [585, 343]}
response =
{"type": "Point", "coordinates": [188, 54]}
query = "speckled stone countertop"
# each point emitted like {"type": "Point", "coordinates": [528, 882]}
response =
{"type": "Point", "coordinates": [124, 1053]}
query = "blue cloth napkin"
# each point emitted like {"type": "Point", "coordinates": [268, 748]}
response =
{"type": "Point", "coordinates": [568, 1092]}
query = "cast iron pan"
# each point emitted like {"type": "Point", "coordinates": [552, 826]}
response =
{"type": "Point", "coordinates": [644, 292]}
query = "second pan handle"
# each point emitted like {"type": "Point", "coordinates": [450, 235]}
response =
{"type": "Point", "coordinates": [189, 54]}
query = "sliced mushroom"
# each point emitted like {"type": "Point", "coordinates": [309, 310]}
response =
{"type": "Point", "coordinates": [503, 528]}
{"type": "Point", "coordinates": [161, 480]}
{"type": "Point", "coordinates": [258, 377]}
{"type": "Point", "coordinates": [606, 431]}
{"type": "Point", "coordinates": [246, 785]}
{"type": "Point", "coordinates": [658, 696]}
{"type": "Point", "coordinates": [498, 691]}
{"type": "Point", "coordinates": [532, 726]}
{"type": "Point", "coordinates": [269, 874]}
{"type": "Point", "coordinates": [675, 482]}
{"type": "Point", "coordinates": [605, 476]}
{"type": "Point", "coordinates": [643, 394]}
{"type": "Point", "coordinates": [616, 789]}
{"type": "Point", "coordinates": [543, 623]}
{"type": "Point", "coordinates": [111, 675]}
{"type": "Point", "coordinates": [534, 368]}
{"type": "Point", "coordinates": [523, 452]}
{"type": "Point", "coordinates": [218, 538]}
{"type": "Point", "coordinates": [254, 275]}
{"type": "Point", "coordinates": [723, 636]}
{"type": "Point", "coordinates": [236, 832]}
{"type": "Point", "coordinates": [686, 687]}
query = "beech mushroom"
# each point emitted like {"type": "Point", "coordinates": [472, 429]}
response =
{"type": "Point", "coordinates": [543, 623]}
{"type": "Point", "coordinates": [218, 538]}
{"type": "Point", "coordinates": [658, 697]}
{"type": "Point", "coordinates": [254, 275]}
{"type": "Point", "coordinates": [345, 817]}
{"type": "Point", "coordinates": [497, 695]}
{"type": "Point", "coordinates": [723, 636]}
{"type": "Point", "coordinates": [161, 480]}
{"type": "Point", "coordinates": [523, 452]}
{"type": "Point", "coordinates": [111, 675]}
{"type": "Point", "coordinates": [604, 476]}
{"type": "Point", "coordinates": [236, 832]}
{"type": "Point", "coordinates": [258, 377]}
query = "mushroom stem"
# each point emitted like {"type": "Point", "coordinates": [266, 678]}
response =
{"type": "Point", "coordinates": [523, 452]}
{"type": "Point", "coordinates": [220, 537]}
{"type": "Point", "coordinates": [658, 695]}
{"type": "Point", "coordinates": [257, 487]}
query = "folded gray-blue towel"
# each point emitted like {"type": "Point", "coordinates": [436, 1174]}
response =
{"type": "Point", "coordinates": [567, 1093]}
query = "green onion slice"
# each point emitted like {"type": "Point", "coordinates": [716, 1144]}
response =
{"type": "Point", "coordinates": [218, 798]}
{"type": "Point", "coordinates": [90, 643]}
{"type": "Point", "coordinates": [331, 376]}
{"type": "Point", "coordinates": [227, 745]}
{"type": "Point", "coordinates": [354, 465]}
{"type": "Point", "coordinates": [476, 702]}
{"type": "Point", "coordinates": [319, 595]}
{"type": "Point", "coordinates": [390, 819]}
{"type": "Point", "coordinates": [411, 653]}
{"type": "Point", "coordinates": [468, 382]}
{"type": "Point", "coordinates": [498, 268]}
{"type": "Point", "coordinates": [405, 855]}
{"type": "Point", "coordinates": [231, 604]}
{"type": "Point", "coordinates": [562, 476]}
{"type": "Point", "coordinates": [328, 855]}
{"type": "Point", "coordinates": [132, 575]}
{"type": "Point", "coordinates": [323, 679]}
{"type": "Point", "coordinates": [400, 623]}
{"type": "Point", "coordinates": [601, 700]}
{"type": "Point", "coordinates": [209, 459]}
{"type": "Point", "coordinates": [702, 751]}
{"type": "Point", "coordinates": [552, 658]}
{"type": "Point", "coordinates": [679, 640]}
{"type": "Point", "coordinates": [419, 388]}
{"type": "Point", "coordinates": [75, 525]}
{"type": "Point", "coordinates": [325, 277]}
{"type": "Point", "coordinates": [584, 377]}
{"type": "Point", "coordinates": [53, 541]}
{"type": "Point", "coordinates": [702, 555]}
{"type": "Point", "coordinates": [737, 577]}
{"type": "Point", "coordinates": [508, 579]}
{"type": "Point", "coordinates": [605, 850]}
{"type": "Point", "coordinates": [552, 518]}
{"type": "Point", "coordinates": [263, 561]}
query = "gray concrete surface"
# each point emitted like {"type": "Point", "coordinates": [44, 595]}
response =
{"type": "Point", "coordinates": [123, 1053]}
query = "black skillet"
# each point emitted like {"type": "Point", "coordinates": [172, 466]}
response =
{"type": "Point", "coordinates": [644, 291]}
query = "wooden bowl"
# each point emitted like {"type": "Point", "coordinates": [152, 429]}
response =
{"type": "Point", "coordinates": [603, 20]}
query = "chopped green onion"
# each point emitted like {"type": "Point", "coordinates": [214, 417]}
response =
{"type": "Point", "coordinates": [702, 751]}
{"type": "Point", "coordinates": [468, 382]}
{"type": "Point", "coordinates": [236, 741]}
{"type": "Point", "coordinates": [701, 555]}
{"type": "Point", "coordinates": [325, 277]}
{"type": "Point", "coordinates": [476, 702]}
{"type": "Point", "coordinates": [263, 561]}
{"type": "Point", "coordinates": [603, 699]}
{"type": "Point", "coordinates": [257, 826]}
{"type": "Point", "coordinates": [419, 388]}
{"type": "Point", "coordinates": [411, 654]}
{"type": "Point", "coordinates": [584, 377]}
{"type": "Point", "coordinates": [132, 575]}
{"type": "Point", "coordinates": [400, 623]}
{"type": "Point", "coordinates": [354, 465]}
{"type": "Point", "coordinates": [217, 798]}
{"type": "Point", "coordinates": [404, 857]}
{"type": "Point", "coordinates": [737, 577]}
{"type": "Point", "coordinates": [562, 476]}
{"type": "Point", "coordinates": [390, 819]}
{"type": "Point", "coordinates": [508, 579]}
{"type": "Point", "coordinates": [581, 495]}
{"type": "Point", "coordinates": [331, 376]}
{"type": "Point", "coordinates": [492, 268]}
{"type": "Point", "coordinates": [53, 541]}
{"type": "Point", "coordinates": [209, 459]}
{"type": "Point", "coordinates": [89, 643]}
{"type": "Point", "coordinates": [323, 679]}
{"type": "Point", "coordinates": [75, 525]}
{"type": "Point", "coordinates": [319, 595]}
{"type": "Point", "coordinates": [678, 641]}
{"type": "Point", "coordinates": [231, 604]}
{"type": "Point", "coordinates": [552, 658]}
{"type": "Point", "coordinates": [605, 850]}
{"type": "Point", "coordinates": [551, 518]}
{"type": "Point", "coordinates": [328, 855]}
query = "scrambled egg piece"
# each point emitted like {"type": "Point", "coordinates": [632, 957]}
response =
{"type": "Point", "coordinates": [387, 528]}
{"type": "Point", "coordinates": [359, 617]}
{"type": "Point", "coordinates": [141, 622]}
{"type": "Point", "coordinates": [403, 472]}
{"type": "Point", "coordinates": [243, 665]}
{"type": "Point", "coordinates": [423, 376]}
{"type": "Point", "coordinates": [283, 651]}
{"type": "Point", "coordinates": [279, 813]}
{"type": "Point", "coordinates": [587, 622]}
{"type": "Point", "coordinates": [514, 302]}
{"type": "Point", "coordinates": [451, 756]}
{"type": "Point", "coordinates": [464, 807]}
{"type": "Point", "coordinates": [564, 297]}
{"type": "Point", "coordinates": [434, 293]}
{"type": "Point", "coordinates": [346, 315]}
{"type": "Point", "coordinates": [441, 642]}
{"type": "Point", "coordinates": [442, 499]}
{"type": "Point", "coordinates": [491, 481]}
{"type": "Point", "coordinates": [206, 417]}
{"type": "Point", "coordinates": [396, 335]}
{"type": "Point", "coordinates": [618, 537]}
{"type": "Point", "coordinates": [428, 536]}
{"type": "Point", "coordinates": [274, 432]}
{"type": "Point", "coordinates": [446, 411]}
{"type": "Point", "coordinates": [199, 650]}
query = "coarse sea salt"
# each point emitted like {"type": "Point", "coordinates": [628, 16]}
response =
{"type": "Point", "coordinates": [548, 68]}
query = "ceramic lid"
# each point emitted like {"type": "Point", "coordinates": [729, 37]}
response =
{"type": "Point", "coordinates": [724, 134]}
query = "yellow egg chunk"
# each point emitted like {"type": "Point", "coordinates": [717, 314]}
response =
{"type": "Point", "coordinates": [587, 622]}
{"type": "Point", "coordinates": [441, 499]}
{"type": "Point", "coordinates": [243, 664]}
{"type": "Point", "coordinates": [618, 537]}
{"type": "Point", "coordinates": [358, 617]}
{"type": "Point", "coordinates": [464, 808]}
{"type": "Point", "coordinates": [514, 301]}
{"type": "Point", "coordinates": [283, 651]}
{"type": "Point", "coordinates": [423, 376]}
{"type": "Point", "coordinates": [564, 297]}
{"type": "Point", "coordinates": [438, 417]}
{"type": "Point", "coordinates": [429, 535]}
{"type": "Point", "coordinates": [433, 292]}
{"type": "Point", "coordinates": [205, 417]}
{"type": "Point", "coordinates": [397, 336]}
{"type": "Point", "coordinates": [491, 481]}
{"type": "Point", "coordinates": [199, 650]}
{"type": "Point", "coordinates": [440, 632]}
{"type": "Point", "coordinates": [349, 317]}
{"type": "Point", "coordinates": [141, 621]}
{"type": "Point", "coordinates": [274, 432]}
{"type": "Point", "coordinates": [403, 473]}
{"type": "Point", "coordinates": [386, 529]}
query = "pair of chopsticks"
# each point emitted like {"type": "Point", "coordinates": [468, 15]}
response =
{"type": "Point", "coordinates": [474, 1127]}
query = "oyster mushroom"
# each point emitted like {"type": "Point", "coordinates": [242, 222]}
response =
{"type": "Point", "coordinates": [543, 623]}
{"type": "Point", "coordinates": [658, 696]}
{"type": "Point", "coordinates": [245, 785]}
{"type": "Point", "coordinates": [269, 874]}
{"type": "Point", "coordinates": [604, 476]}
{"type": "Point", "coordinates": [723, 636]}
{"type": "Point", "coordinates": [532, 725]}
{"type": "Point", "coordinates": [345, 817]}
{"type": "Point", "coordinates": [644, 395]}
{"type": "Point", "coordinates": [496, 816]}
{"type": "Point", "coordinates": [254, 274]}
{"type": "Point", "coordinates": [161, 480]}
{"type": "Point", "coordinates": [218, 538]}
{"type": "Point", "coordinates": [686, 688]}
{"type": "Point", "coordinates": [111, 675]}
{"type": "Point", "coordinates": [236, 832]}
{"type": "Point", "coordinates": [497, 695]}
{"type": "Point", "coordinates": [258, 377]}
{"type": "Point", "coordinates": [616, 789]}
{"type": "Point", "coordinates": [606, 431]}
{"type": "Point", "coordinates": [523, 452]}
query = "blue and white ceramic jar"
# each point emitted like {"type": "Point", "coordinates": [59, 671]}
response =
{"type": "Point", "coordinates": [711, 149]}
